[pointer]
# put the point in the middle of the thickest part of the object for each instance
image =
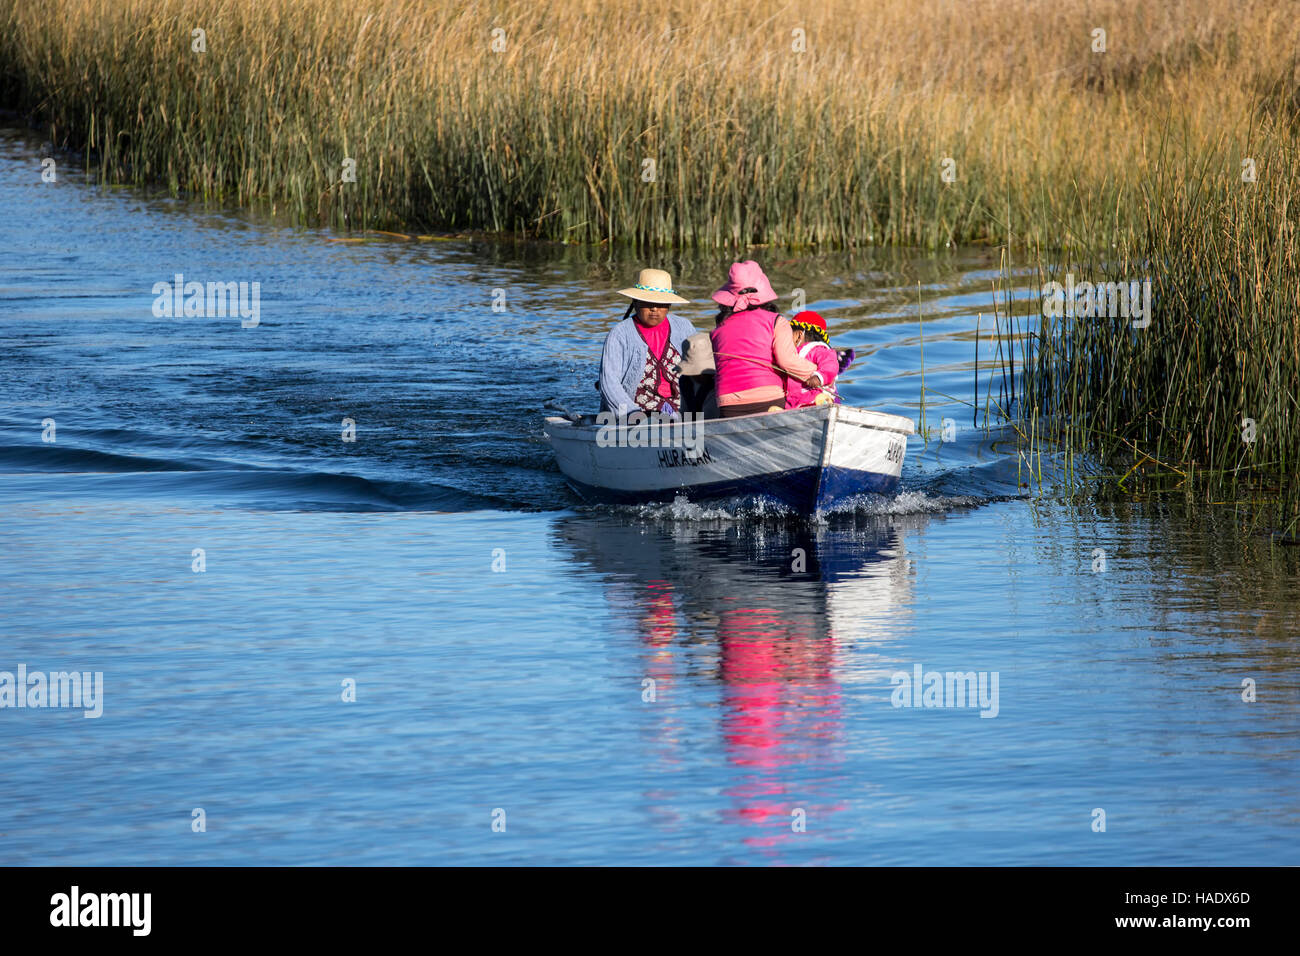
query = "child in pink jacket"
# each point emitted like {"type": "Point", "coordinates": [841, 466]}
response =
{"type": "Point", "coordinates": [813, 344]}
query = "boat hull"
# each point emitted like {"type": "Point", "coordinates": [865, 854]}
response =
{"type": "Point", "coordinates": [808, 459]}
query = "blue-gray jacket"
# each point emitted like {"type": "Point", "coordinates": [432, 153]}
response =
{"type": "Point", "coordinates": [622, 362]}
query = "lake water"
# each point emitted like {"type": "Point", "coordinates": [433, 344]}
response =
{"type": "Point", "coordinates": [658, 685]}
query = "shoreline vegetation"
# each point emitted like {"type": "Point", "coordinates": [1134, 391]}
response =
{"type": "Point", "coordinates": [1116, 141]}
{"type": "Point", "coordinates": [710, 123]}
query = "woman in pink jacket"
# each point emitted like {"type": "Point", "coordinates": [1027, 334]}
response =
{"type": "Point", "coordinates": [753, 346]}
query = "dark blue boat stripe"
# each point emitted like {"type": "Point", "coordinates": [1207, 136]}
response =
{"type": "Point", "coordinates": [840, 483]}
{"type": "Point", "coordinates": [796, 488]}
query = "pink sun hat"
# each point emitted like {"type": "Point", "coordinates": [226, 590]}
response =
{"type": "Point", "coordinates": [746, 287]}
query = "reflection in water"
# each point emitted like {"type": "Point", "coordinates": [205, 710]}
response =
{"type": "Point", "coordinates": [774, 613]}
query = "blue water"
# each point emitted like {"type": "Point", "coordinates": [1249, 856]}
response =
{"type": "Point", "coordinates": [660, 685]}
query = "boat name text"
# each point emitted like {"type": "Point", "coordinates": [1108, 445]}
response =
{"type": "Point", "coordinates": [672, 458]}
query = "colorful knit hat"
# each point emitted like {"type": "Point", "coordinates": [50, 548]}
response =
{"type": "Point", "coordinates": [812, 325]}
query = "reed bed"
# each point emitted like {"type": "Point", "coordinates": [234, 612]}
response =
{"type": "Point", "coordinates": [832, 123]}
{"type": "Point", "coordinates": [1202, 393]}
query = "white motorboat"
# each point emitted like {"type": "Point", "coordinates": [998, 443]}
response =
{"type": "Point", "coordinates": [808, 458]}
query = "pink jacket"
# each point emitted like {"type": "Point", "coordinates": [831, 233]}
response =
{"type": "Point", "coordinates": [828, 366]}
{"type": "Point", "coordinates": [745, 350]}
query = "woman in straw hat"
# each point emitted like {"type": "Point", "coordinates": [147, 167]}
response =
{"type": "Point", "coordinates": [753, 346]}
{"type": "Point", "coordinates": [638, 366]}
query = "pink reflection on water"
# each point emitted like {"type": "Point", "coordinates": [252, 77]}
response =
{"type": "Point", "coordinates": [783, 710]}
{"type": "Point", "coordinates": [782, 719]}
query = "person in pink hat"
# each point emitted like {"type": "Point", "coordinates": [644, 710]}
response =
{"type": "Point", "coordinates": [753, 346]}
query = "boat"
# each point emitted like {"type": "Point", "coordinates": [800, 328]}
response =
{"type": "Point", "coordinates": [808, 459]}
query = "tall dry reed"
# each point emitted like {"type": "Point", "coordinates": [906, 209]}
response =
{"type": "Point", "coordinates": [684, 123]}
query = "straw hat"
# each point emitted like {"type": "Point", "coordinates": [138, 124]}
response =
{"type": "Point", "coordinates": [653, 285]}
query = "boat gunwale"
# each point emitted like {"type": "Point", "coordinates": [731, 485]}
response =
{"type": "Point", "coordinates": [756, 422]}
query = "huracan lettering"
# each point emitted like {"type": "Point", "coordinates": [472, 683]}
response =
{"type": "Point", "coordinates": [676, 458]}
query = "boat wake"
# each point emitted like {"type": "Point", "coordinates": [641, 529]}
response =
{"type": "Point", "coordinates": [905, 502]}
{"type": "Point", "coordinates": [748, 510]}
{"type": "Point", "coordinates": [215, 483]}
